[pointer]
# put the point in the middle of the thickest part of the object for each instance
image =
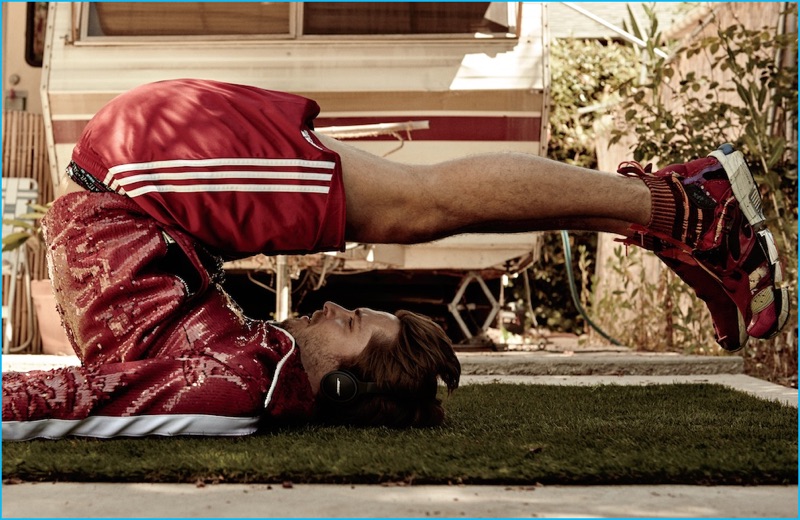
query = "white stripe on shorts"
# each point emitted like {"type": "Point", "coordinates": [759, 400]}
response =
{"type": "Point", "coordinates": [206, 163]}
{"type": "Point", "coordinates": [197, 188]}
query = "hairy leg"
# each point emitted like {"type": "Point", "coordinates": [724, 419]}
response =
{"type": "Point", "coordinates": [389, 202]}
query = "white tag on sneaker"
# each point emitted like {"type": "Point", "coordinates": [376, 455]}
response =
{"type": "Point", "coordinates": [769, 240]}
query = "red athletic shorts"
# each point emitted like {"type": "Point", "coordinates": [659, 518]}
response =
{"type": "Point", "coordinates": [236, 167]}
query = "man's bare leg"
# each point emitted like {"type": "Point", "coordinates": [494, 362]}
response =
{"type": "Point", "coordinates": [390, 202]}
{"type": "Point", "coordinates": [688, 214]}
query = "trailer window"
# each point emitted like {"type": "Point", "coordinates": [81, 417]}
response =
{"type": "Point", "coordinates": [363, 18]}
{"type": "Point", "coordinates": [188, 18]}
{"type": "Point", "coordinates": [278, 19]}
{"type": "Point", "coordinates": [34, 33]}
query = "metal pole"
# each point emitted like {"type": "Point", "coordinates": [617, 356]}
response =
{"type": "Point", "coordinates": [283, 286]}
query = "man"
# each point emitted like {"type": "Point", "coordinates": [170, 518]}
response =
{"type": "Point", "coordinates": [170, 175]}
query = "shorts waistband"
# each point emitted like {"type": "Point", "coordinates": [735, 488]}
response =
{"type": "Point", "coordinates": [85, 179]}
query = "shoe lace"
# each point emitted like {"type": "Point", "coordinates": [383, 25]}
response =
{"type": "Point", "coordinates": [634, 169]}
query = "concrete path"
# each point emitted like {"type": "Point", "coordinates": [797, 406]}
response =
{"type": "Point", "coordinates": [65, 500]}
{"type": "Point", "coordinates": [565, 366]}
{"type": "Point", "coordinates": [750, 385]}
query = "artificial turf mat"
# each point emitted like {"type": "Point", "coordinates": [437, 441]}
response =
{"type": "Point", "coordinates": [495, 434]}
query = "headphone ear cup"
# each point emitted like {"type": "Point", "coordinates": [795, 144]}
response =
{"type": "Point", "coordinates": [339, 386]}
{"type": "Point", "coordinates": [342, 386]}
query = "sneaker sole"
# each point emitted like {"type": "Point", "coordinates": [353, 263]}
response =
{"type": "Point", "coordinates": [747, 195]}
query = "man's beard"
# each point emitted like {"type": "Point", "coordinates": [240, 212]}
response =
{"type": "Point", "coordinates": [291, 325]}
{"type": "Point", "coordinates": [312, 356]}
{"type": "Point", "coordinates": [286, 324]}
{"type": "Point", "coordinates": [294, 325]}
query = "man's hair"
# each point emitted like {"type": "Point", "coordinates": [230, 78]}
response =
{"type": "Point", "coordinates": [406, 370]}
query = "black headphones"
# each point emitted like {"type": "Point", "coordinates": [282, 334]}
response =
{"type": "Point", "coordinates": [341, 386]}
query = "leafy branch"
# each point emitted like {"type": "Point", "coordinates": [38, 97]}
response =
{"type": "Point", "coordinates": [28, 225]}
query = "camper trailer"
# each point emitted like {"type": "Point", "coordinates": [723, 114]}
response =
{"type": "Point", "coordinates": [421, 82]}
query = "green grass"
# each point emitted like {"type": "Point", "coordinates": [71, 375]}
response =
{"type": "Point", "coordinates": [495, 434]}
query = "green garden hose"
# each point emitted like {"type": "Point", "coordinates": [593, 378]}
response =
{"type": "Point", "coordinates": [573, 288]}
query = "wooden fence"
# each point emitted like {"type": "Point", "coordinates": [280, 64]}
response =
{"type": "Point", "coordinates": [25, 155]}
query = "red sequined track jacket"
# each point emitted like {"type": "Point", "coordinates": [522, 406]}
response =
{"type": "Point", "coordinates": [159, 356]}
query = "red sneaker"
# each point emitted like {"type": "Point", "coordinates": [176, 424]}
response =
{"type": "Point", "coordinates": [730, 329]}
{"type": "Point", "coordinates": [709, 210]}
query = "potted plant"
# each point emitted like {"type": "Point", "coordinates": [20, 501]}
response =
{"type": "Point", "coordinates": [28, 233]}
